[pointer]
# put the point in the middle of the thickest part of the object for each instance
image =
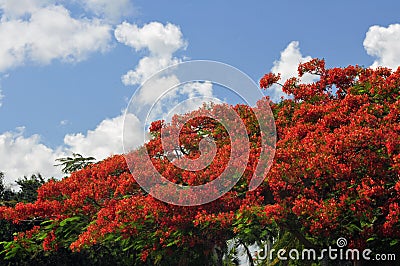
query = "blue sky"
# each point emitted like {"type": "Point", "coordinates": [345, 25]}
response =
{"type": "Point", "coordinates": [62, 63]}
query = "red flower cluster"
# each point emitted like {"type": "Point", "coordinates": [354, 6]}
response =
{"type": "Point", "coordinates": [269, 79]}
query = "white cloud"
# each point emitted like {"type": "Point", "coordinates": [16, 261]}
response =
{"type": "Point", "coordinates": [155, 87]}
{"type": "Point", "coordinates": [181, 99]}
{"type": "Point", "coordinates": [105, 140]}
{"type": "Point", "coordinates": [163, 94]}
{"type": "Point", "coordinates": [162, 41]}
{"type": "Point", "coordinates": [193, 89]}
{"type": "Point", "coordinates": [23, 156]}
{"type": "Point", "coordinates": [159, 39]}
{"type": "Point", "coordinates": [287, 67]}
{"type": "Point", "coordinates": [40, 32]}
{"type": "Point", "coordinates": [383, 44]}
{"type": "Point", "coordinates": [196, 93]}
{"type": "Point", "coordinates": [146, 67]}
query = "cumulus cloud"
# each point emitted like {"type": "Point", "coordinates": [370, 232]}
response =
{"type": "Point", "coordinates": [196, 89]}
{"type": "Point", "coordinates": [146, 67]}
{"type": "Point", "coordinates": [41, 31]}
{"type": "Point", "coordinates": [196, 94]}
{"type": "Point", "coordinates": [49, 33]}
{"type": "Point", "coordinates": [163, 94]}
{"type": "Point", "coordinates": [153, 88]}
{"type": "Point", "coordinates": [181, 99]}
{"type": "Point", "coordinates": [161, 41]}
{"type": "Point", "coordinates": [23, 156]}
{"type": "Point", "coordinates": [287, 65]}
{"type": "Point", "coordinates": [383, 44]}
{"type": "Point", "coordinates": [106, 139]}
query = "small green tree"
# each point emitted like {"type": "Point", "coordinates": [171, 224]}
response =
{"type": "Point", "coordinates": [29, 187]}
{"type": "Point", "coordinates": [74, 163]}
{"type": "Point", "coordinates": [6, 194]}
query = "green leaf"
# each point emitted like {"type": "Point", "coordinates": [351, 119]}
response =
{"type": "Point", "coordinates": [173, 243]}
{"type": "Point", "coordinates": [354, 228]}
{"type": "Point", "coordinates": [128, 247]}
{"type": "Point", "coordinates": [70, 219]}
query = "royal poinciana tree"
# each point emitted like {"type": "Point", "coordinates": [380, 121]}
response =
{"type": "Point", "coordinates": [335, 174]}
